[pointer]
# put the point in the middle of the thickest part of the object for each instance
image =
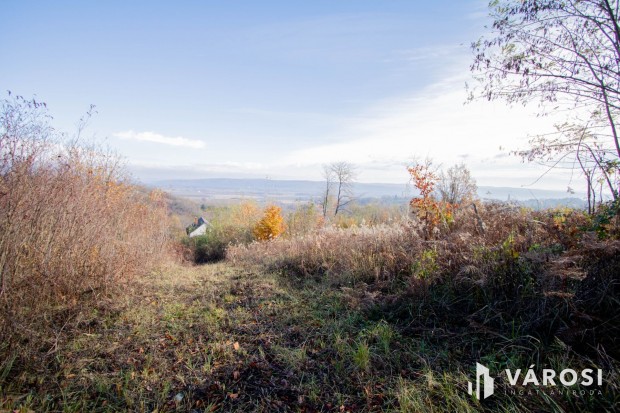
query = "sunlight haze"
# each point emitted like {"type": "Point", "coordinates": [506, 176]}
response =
{"type": "Point", "coordinates": [270, 89]}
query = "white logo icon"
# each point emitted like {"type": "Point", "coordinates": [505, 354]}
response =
{"type": "Point", "coordinates": [487, 383]}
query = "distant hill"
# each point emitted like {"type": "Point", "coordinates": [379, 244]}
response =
{"type": "Point", "coordinates": [291, 191]}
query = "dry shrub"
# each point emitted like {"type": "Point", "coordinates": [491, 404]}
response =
{"type": "Point", "coordinates": [235, 224]}
{"type": "Point", "coordinates": [70, 227]}
{"type": "Point", "coordinates": [521, 268]}
{"type": "Point", "coordinates": [305, 219]}
{"type": "Point", "coordinates": [370, 253]}
{"type": "Point", "coordinates": [389, 251]}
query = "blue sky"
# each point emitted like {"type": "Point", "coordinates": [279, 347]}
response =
{"type": "Point", "coordinates": [194, 89]}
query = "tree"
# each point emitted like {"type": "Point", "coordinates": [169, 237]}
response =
{"type": "Point", "coordinates": [456, 186]}
{"type": "Point", "coordinates": [341, 175]}
{"type": "Point", "coordinates": [425, 206]}
{"type": "Point", "coordinates": [566, 56]}
{"type": "Point", "coordinates": [271, 225]}
{"type": "Point", "coordinates": [344, 174]}
{"type": "Point", "coordinates": [328, 174]}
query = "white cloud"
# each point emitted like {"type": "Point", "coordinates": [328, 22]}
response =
{"type": "Point", "coordinates": [435, 122]}
{"type": "Point", "coordinates": [157, 138]}
{"type": "Point", "coordinates": [381, 140]}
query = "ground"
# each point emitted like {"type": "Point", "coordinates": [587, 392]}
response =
{"type": "Point", "coordinates": [222, 338]}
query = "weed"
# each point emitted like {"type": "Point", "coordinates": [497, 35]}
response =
{"type": "Point", "coordinates": [383, 334]}
{"type": "Point", "coordinates": [361, 356]}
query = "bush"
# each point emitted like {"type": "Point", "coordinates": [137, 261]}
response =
{"type": "Point", "coordinates": [71, 227]}
{"type": "Point", "coordinates": [210, 247]}
{"type": "Point", "coordinates": [271, 225]}
{"type": "Point", "coordinates": [606, 220]}
{"type": "Point", "coordinates": [305, 219]}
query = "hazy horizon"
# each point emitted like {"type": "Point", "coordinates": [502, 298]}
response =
{"type": "Point", "coordinates": [276, 89]}
{"type": "Point", "coordinates": [303, 191]}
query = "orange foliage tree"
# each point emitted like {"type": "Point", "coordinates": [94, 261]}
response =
{"type": "Point", "coordinates": [271, 225]}
{"type": "Point", "coordinates": [430, 211]}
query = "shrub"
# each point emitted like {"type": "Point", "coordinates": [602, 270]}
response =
{"type": "Point", "coordinates": [210, 247]}
{"type": "Point", "coordinates": [606, 221]}
{"type": "Point", "coordinates": [305, 219]}
{"type": "Point", "coordinates": [228, 225]}
{"type": "Point", "coordinates": [426, 207]}
{"type": "Point", "coordinates": [71, 227]}
{"type": "Point", "coordinates": [271, 225]}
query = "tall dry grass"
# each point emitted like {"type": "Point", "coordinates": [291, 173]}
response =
{"type": "Point", "coordinates": [539, 271]}
{"type": "Point", "coordinates": [522, 274]}
{"type": "Point", "coordinates": [71, 227]}
{"type": "Point", "coordinates": [396, 250]}
{"type": "Point", "coordinates": [359, 252]}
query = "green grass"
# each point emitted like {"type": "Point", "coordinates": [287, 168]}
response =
{"type": "Point", "coordinates": [220, 338]}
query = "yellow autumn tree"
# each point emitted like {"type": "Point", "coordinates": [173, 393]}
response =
{"type": "Point", "coordinates": [271, 225]}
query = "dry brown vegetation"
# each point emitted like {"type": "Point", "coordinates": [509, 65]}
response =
{"type": "Point", "coordinates": [389, 251]}
{"type": "Point", "coordinates": [72, 230]}
{"type": "Point", "coordinates": [509, 291]}
{"type": "Point", "coordinates": [373, 310]}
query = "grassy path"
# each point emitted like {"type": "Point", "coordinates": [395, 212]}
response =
{"type": "Point", "coordinates": [215, 338]}
{"type": "Point", "coordinates": [219, 338]}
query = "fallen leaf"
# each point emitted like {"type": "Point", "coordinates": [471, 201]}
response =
{"type": "Point", "coordinates": [233, 395]}
{"type": "Point", "coordinates": [236, 346]}
{"type": "Point", "coordinates": [235, 374]}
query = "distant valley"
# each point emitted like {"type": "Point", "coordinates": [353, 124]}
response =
{"type": "Point", "coordinates": [226, 190]}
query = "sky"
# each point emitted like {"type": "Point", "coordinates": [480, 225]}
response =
{"type": "Point", "coordinates": [276, 89]}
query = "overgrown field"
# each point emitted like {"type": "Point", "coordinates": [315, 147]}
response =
{"type": "Point", "coordinates": [221, 338]}
{"type": "Point", "coordinates": [311, 310]}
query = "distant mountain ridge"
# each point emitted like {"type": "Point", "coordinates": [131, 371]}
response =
{"type": "Point", "coordinates": [303, 191]}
